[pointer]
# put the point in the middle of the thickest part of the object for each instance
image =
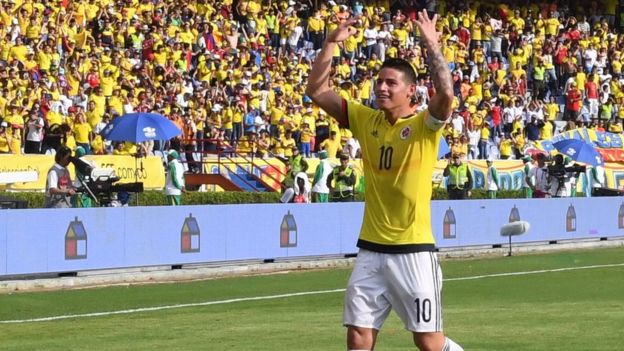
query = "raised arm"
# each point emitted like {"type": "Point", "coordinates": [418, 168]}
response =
{"type": "Point", "coordinates": [318, 82]}
{"type": "Point", "coordinates": [440, 104]}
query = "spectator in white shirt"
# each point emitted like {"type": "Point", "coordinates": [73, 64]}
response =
{"type": "Point", "coordinates": [370, 36]}
{"type": "Point", "coordinates": [457, 122]}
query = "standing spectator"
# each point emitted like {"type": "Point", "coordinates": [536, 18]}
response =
{"type": "Point", "coordinates": [174, 185]}
{"type": "Point", "coordinates": [458, 123]}
{"type": "Point", "coordinates": [574, 100]}
{"type": "Point", "coordinates": [492, 183]}
{"type": "Point", "coordinates": [538, 178]}
{"type": "Point", "coordinates": [237, 123]}
{"type": "Point", "coordinates": [342, 180]}
{"type": "Point", "coordinates": [459, 181]}
{"type": "Point", "coordinates": [331, 145]}
{"type": "Point", "coordinates": [384, 37]}
{"type": "Point", "coordinates": [484, 139]}
{"type": "Point", "coordinates": [34, 133]}
{"type": "Point", "coordinates": [320, 190]}
{"type": "Point", "coordinates": [5, 138]}
{"type": "Point", "coordinates": [370, 37]}
{"type": "Point", "coordinates": [83, 133]}
{"type": "Point", "coordinates": [539, 75]}
{"type": "Point", "coordinates": [591, 94]}
{"type": "Point", "coordinates": [474, 135]}
{"type": "Point", "coordinates": [496, 46]}
{"type": "Point", "coordinates": [533, 129]}
{"type": "Point", "coordinates": [505, 147]}
{"type": "Point", "coordinates": [316, 28]}
{"type": "Point", "coordinates": [306, 139]}
{"type": "Point", "coordinates": [295, 163]}
{"type": "Point", "coordinates": [526, 180]}
{"type": "Point", "coordinates": [189, 144]}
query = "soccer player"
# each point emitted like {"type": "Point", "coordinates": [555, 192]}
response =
{"type": "Point", "coordinates": [396, 267]}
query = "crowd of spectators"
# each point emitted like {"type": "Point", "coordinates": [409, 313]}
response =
{"type": "Point", "coordinates": [232, 74]}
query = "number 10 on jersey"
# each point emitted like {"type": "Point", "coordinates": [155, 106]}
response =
{"type": "Point", "coordinates": [385, 157]}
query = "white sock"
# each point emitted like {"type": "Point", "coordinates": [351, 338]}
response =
{"type": "Point", "coordinates": [450, 345]}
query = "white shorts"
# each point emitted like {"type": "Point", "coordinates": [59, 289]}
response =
{"type": "Point", "coordinates": [411, 284]}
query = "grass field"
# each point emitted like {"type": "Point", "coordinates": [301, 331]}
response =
{"type": "Point", "coordinates": [579, 306]}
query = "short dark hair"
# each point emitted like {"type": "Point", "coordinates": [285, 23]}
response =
{"type": "Point", "coordinates": [62, 152]}
{"type": "Point", "coordinates": [403, 66]}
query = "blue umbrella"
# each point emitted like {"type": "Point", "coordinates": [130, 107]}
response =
{"type": "Point", "coordinates": [139, 127]}
{"type": "Point", "coordinates": [579, 151]}
{"type": "Point", "coordinates": [443, 149]}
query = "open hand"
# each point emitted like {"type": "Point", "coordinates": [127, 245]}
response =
{"type": "Point", "coordinates": [427, 28]}
{"type": "Point", "coordinates": [343, 31]}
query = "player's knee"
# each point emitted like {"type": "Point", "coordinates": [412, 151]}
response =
{"type": "Point", "coordinates": [360, 338]}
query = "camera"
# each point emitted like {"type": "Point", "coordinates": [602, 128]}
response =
{"type": "Point", "coordinates": [99, 182]}
{"type": "Point", "coordinates": [559, 171]}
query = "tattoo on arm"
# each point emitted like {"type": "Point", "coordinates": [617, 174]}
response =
{"type": "Point", "coordinates": [440, 72]}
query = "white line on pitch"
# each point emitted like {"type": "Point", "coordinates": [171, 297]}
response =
{"type": "Point", "coordinates": [273, 297]}
{"type": "Point", "coordinates": [535, 272]}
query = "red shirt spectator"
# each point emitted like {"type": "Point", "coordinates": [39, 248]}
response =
{"type": "Point", "coordinates": [591, 90]}
{"type": "Point", "coordinates": [573, 98]}
{"type": "Point", "coordinates": [496, 115]}
{"type": "Point", "coordinates": [560, 54]}
{"type": "Point", "coordinates": [93, 78]}
{"type": "Point", "coordinates": [463, 34]}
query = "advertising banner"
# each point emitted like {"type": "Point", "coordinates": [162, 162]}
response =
{"type": "Point", "coordinates": [149, 170]}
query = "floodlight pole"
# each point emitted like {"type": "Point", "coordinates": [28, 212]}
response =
{"type": "Point", "coordinates": [509, 253]}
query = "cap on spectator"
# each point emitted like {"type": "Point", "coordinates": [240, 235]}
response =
{"type": "Point", "coordinates": [4, 124]}
{"type": "Point", "coordinates": [80, 151]}
{"type": "Point", "coordinates": [173, 154]}
{"type": "Point", "coordinates": [490, 159]}
{"type": "Point", "coordinates": [344, 156]}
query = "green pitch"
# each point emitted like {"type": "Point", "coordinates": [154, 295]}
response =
{"type": "Point", "coordinates": [578, 306]}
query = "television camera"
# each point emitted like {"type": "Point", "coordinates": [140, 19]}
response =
{"type": "Point", "coordinates": [558, 170]}
{"type": "Point", "coordinates": [99, 183]}
{"type": "Point", "coordinates": [561, 172]}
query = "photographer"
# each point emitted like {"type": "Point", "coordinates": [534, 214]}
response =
{"type": "Point", "coordinates": [59, 188]}
{"type": "Point", "coordinates": [562, 178]}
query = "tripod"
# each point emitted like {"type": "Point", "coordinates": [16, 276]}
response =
{"type": "Point", "coordinates": [137, 156]}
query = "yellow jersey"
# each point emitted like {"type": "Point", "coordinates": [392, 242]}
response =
{"type": "Point", "coordinates": [398, 165]}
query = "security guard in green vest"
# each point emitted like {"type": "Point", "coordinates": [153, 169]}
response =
{"type": "Point", "coordinates": [459, 179]}
{"type": "Point", "coordinates": [294, 164]}
{"type": "Point", "coordinates": [343, 179]}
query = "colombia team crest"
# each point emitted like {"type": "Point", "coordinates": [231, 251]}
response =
{"type": "Point", "coordinates": [406, 132]}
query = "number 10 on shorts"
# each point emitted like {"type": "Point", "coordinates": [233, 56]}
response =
{"type": "Point", "coordinates": [423, 310]}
